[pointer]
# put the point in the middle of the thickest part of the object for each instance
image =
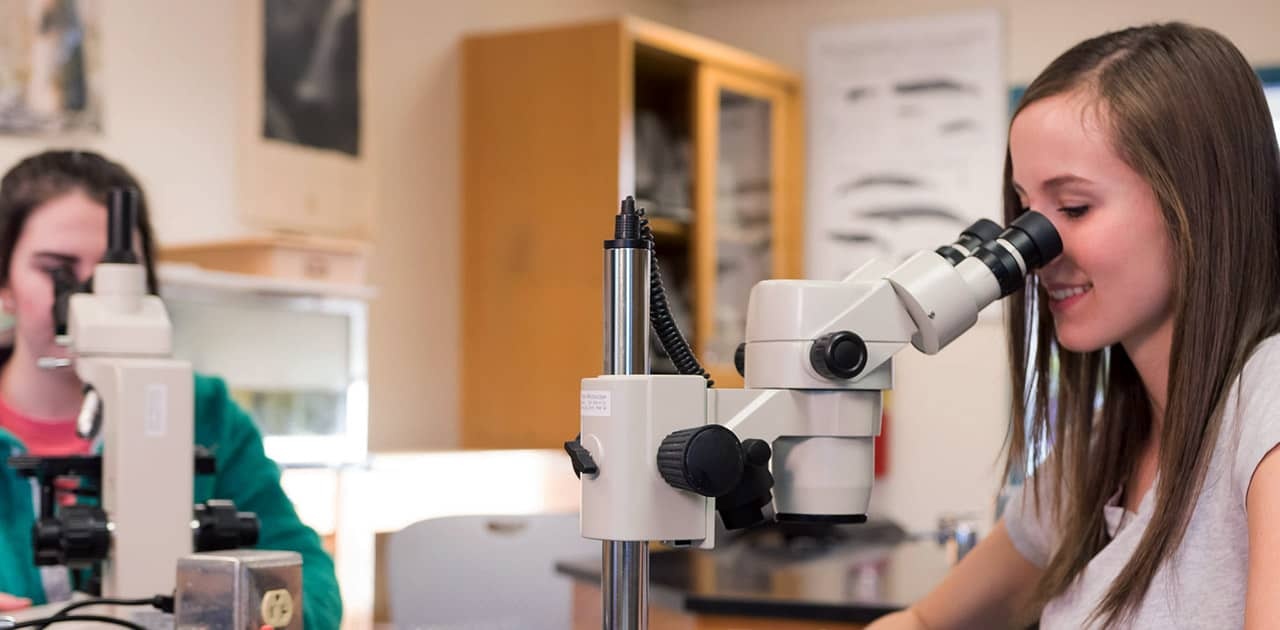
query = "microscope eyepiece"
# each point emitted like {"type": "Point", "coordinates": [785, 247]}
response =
{"type": "Point", "coordinates": [122, 217]}
{"type": "Point", "coordinates": [1027, 244]}
{"type": "Point", "coordinates": [1035, 238]}
{"type": "Point", "coordinates": [971, 238]}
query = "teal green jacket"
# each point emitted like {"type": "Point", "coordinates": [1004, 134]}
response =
{"type": "Point", "coordinates": [245, 475]}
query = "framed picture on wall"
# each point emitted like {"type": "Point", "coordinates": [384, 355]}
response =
{"type": "Point", "coordinates": [299, 163]}
{"type": "Point", "coordinates": [311, 73]}
{"type": "Point", "coordinates": [49, 67]}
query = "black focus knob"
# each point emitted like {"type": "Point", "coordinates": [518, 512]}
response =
{"type": "Point", "coordinates": [743, 506]}
{"type": "Point", "coordinates": [78, 537]}
{"type": "Point", "coordinates": [220, 527]}
{"type": "Point", "coordinates": [706, 460]}
{"type": "Point", "coordinates": [740, 359]}
{"type": "Point", "coordinates": [838, 355]}
{"type": "Point", "coordinates": [46, 535]}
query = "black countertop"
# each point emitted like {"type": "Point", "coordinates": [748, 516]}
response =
{"type": "Point", "coordinates": [854, 579]}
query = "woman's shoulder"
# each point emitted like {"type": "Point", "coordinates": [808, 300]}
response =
{"type": "Point", "coordinates": [1260, 376]}
{"type": "Point", "coordinates": [1265, 356]}
{"type": "Point", "coordinates": [1251, 418]}
{"type": "Point", "coordinates": [209, 387]}
{"type": "Point", "coordinates": [211, 396]}
{"type": "Point", "coordinates": [216, 413]}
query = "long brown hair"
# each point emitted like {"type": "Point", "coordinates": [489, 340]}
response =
{"type": "Point", "coordinates": [1187, 113]}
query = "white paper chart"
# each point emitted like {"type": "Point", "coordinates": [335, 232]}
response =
{"type": "Point", "coordinates": [908, 125]}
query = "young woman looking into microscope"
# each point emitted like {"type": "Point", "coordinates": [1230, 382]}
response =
{"type": "Point", "coordinates": [1153, 152]}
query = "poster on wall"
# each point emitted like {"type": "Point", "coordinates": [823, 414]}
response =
{"type": "Point", "coordinates": [907, 126]}
{"type": "Point", "coordinates": [311, 73]}
{"type": "Point", "coordinates": [49, 67]}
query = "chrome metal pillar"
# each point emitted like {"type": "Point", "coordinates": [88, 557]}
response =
{"type": "Point", "coordinates": [625, 564]}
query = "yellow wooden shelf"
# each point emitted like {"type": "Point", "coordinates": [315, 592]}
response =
{"type": "Point", "coordinates": [670, 229]}
{"type": "Point", "coordinates": [291, 256]}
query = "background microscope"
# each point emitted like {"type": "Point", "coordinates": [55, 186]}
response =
{"type": "Point", "coordinates": [134, 532]}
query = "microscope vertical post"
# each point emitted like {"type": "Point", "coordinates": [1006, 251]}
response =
{"type": "Point", "coordinates": [625, 570]}
{"type": "Point", "coordinates": [121, 338]}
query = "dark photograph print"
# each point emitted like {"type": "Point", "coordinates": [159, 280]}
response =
{"type": "Point", "coordinates": [311, 71]}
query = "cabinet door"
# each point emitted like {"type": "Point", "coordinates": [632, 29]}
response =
{"type": "Point", "coordinates": [747, 218]}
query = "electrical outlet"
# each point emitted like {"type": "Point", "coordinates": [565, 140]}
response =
{"type": "Point", "coordinates": [241, 589]}
{"type": "Point", "coordinates": [277, 608]}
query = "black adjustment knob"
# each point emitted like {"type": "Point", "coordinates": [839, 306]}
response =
{"type": "Point", "coordinates": [580, 457]}
{"type": "Point", "coordinates": [47, 536]}
{"type": "Point", "coordinates": [78, 537]}
{"type": "Point", "coordinates": [757, 452]}
{"type": "Point", "coordinates": [838, 355]}
{"type": "Point", "coordinates": [743, 506]}
{"type": "Point", "coordinates": [220, 527]}
{"type": "Point", "coordinates": [707, 460]}
{"type": "Point", "coordinates": [206, 463]}
{"type": "Point", "coordinates": [740, 359]}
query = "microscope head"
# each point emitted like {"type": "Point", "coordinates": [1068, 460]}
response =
{"type": "Point", "coordinates": [801, 433]}
{"type": "Point", "coordinates": [830, 358]}
{"type": "Point", "coordinates": [943, 296]}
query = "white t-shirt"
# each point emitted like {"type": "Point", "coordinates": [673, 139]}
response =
{"type": "Point", "coordinates": [1203, 584]}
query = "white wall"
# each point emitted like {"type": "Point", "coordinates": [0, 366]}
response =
{"type": "Point", "coordinates": [950, 412]}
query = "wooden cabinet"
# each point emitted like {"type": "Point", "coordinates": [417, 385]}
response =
{"type": "Point", "coordinates": [558, 125]}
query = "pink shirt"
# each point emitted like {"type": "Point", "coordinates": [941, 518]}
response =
{"type": "Point", "coordinates": [43, 436]}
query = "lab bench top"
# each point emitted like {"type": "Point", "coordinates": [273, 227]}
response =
{"type": "Point", "coordinates": [48, 610]}
{"type": "Point", "coordinates": [854, 580]}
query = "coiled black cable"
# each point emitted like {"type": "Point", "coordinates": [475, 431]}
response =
{"type": "Point", "coordinates": [664, 325]}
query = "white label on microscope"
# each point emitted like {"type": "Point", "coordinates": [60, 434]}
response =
{"type": "Point", "coordinates": [155, 424]}
{"type": "Point", "coordinates": [597, 403]}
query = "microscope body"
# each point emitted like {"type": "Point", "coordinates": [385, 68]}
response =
{"type": "Point", "coordinates": [667, 452]}
{"type": "Point", "coordinates": [121, 337]}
